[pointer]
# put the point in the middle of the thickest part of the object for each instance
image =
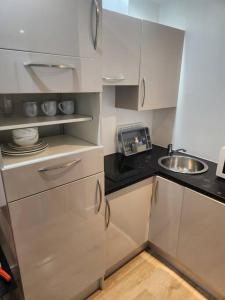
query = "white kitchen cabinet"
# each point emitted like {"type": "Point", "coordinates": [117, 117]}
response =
{"type": "Point", "coordinates": [59, 237]}
{"type": "Point", "coordinates": [121, 38]}
{"type": "Point", "coordinates": [201, 244]}
{"type": "Point", "coordinates": [165, 215]}
{"type": "Point", "coordinates": [71, 27]}
{"type": "Point", "coordinates": [129, 221]}
{"type": "Point", "coordinates": [28, 72]}
{"type": "Point", "coordinates": [161, 56]}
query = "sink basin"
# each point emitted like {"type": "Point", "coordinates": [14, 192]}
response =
{"type": "Point", "coordinates": [183, 164]}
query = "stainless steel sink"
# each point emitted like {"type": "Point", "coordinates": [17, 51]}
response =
{"type": "Point", "coordinates": [183, 164]}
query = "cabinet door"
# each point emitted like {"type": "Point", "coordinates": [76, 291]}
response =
{"type": "Point", "coordinates": [59, 239]}
{"type": "Point", "coordinates": [165, 215]}
{"type": "Point", "coordinates": [121, 36]}
{"type": "Point", "coordinates": [50, 26]}
{"type": "Point", "coordinates": [129, 222]}
{"type": "Point", "coordinates": [201, 245]}
{"type": "Point", "coordinates": [28, 72]}
{"type": "Point", "coordinates": [161, 54]}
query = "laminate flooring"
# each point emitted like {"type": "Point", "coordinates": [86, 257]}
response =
{"type": "Point", "coordinates": [146, 278]}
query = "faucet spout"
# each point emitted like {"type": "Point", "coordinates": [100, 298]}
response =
{"type": "Point", "coordinates": [171, 150]}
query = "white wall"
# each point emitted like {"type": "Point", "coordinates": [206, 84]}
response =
{"type": "Point", "coordinates": [120, 6]}
{"type": "Point", "coordinates": [112, 117]}
{"type": "Point", "coordinates": [200, 118]}
{"type": "Point", "coordinates": [144, 9]}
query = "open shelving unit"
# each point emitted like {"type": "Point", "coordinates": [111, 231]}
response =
{"type": "Point", "coordinates": [64, 134]}
{"type": "Point", "coordinates": [25, 122]}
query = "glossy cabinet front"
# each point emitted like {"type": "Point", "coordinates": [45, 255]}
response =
{"type": "Point", "coordinates": [165, 215]}
{"type": "Point", "coordinates": [201, 246]}
{"type": "Point", "coordinates": [129, 222]}
{"type": "Point", "coordinates": [28, 72]}
{"type": "Point", "coordinates": [71, 27]}
{"type": "Point", "coordinates": [121, 38]}
{"type": "Point", "coordinates": [59, 238]}
{"type": "Point", "coordinates": [161, 55]}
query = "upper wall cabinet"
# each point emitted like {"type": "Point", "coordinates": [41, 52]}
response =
{"type": "Point", "coordinates": [71, 27]}
{"type": "Point", "coordinates": [161, 56]}
{"type": "Point", "coordinates": [121, 38]}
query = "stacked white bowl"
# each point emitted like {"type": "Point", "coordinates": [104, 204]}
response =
{"type": "Point", "coordinates": [25, 136]}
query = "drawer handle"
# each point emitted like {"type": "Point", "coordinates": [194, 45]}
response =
{"type": "Point", "coordinates": [113, 78]}
{"type": "Point", "coordinates": [107, 213]}
{"type": "Point", "coordinates": [100, 193]}
{"type": "Point", "coordinates": [59, 66]}
{"type": "Point", "coordinates": [67, 165]}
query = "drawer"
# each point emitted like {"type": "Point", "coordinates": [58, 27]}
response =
{"type": "Point", "coordinates": [27, 72]}
{"type": "Point", "coordinates": [30, 179]}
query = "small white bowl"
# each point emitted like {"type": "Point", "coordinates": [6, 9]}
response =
{"type": "Point", "coordinates": [25, 136]}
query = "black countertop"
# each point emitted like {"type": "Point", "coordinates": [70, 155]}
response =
{"type": "Point", "coordinates": [121, 171]}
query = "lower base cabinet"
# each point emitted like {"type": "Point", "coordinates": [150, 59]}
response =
{"type": "Point", "coordinates": [129, 221]}
{"type": "Point", "coordinates": [165, 215]}
{"type": "Point", "coordinates": [201, 246]}
{"type": "Point", "coordinates": [60, 239]}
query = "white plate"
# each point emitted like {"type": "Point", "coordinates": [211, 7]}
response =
{"type": "Point", "coordinates": [8, 151]}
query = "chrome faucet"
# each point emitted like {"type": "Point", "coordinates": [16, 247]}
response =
{"type": "Point", "coordinates": [171, 150]}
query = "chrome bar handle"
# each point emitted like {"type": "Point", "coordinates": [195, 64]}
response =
{"type": "Point", "coordinates": [153, 191]}
{"type": "Point", "coordinates": [58, 167]}
{"type": "Point", "coordinates": [114, 78]}
{"type": "Point", "coordinates": [107, 213]}
{"type": "Point", "coordinates": [43, 65]}
{"type": "Point", "coordinates": [156, 191]}
{"type": "Point", "coordinates": [97, 13]}
{"type": "Point", "coordinates": [100, 193]}
{"type": "Point", "coordinates": [144, 92]}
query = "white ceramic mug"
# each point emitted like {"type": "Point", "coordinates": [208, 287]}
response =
{"type": "Point", "coordinates": [49, 108]}
{"type": "Point", "coordinates": [30, 109]}
{"type": "Point", "coordinates": [6, 105]}
{"type": "Point", "coordinates": [66, 107]}
{"type": "Point", "coordinates": [25, 136]}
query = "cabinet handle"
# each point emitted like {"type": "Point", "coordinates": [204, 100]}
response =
{"type": "Point", "coordinates": [64, 166]}
{"type": "Point", "coordinates": [113, 78]}
{"type": "Point", "coordinates": [144, 92]}
{"type": "Point", "coordinates": [156, 191]}
{"type": "Point", "coordinates": [107, 213]}
{"type": "Point", "coordinates": [97, 13]}
{"type": "Point", "coordinates": [57, 66]}
{"type": "Point", "coordinates": [100, 193]}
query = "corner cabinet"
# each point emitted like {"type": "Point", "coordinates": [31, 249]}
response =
{"type": "Point", "coordinates": [160, 65]}
{"type": "Point", "coordinates": [128, 226]}
{"type": "Point", "coordinates": [59, 237]}
{"type": "Point", "coordinates": [201, 246]}
{"type": "Point", "coordinates": [165, 215]}
{"type": "Point", "coordinates": [71, 27]}
{"type": "Point", "coordinates": [121, 39]}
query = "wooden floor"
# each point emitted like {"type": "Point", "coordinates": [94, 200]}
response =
{"type": "Point", "coordinates": [145, 278]}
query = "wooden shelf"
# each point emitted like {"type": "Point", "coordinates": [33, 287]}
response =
{"type": "Point", "coordinates": [14, 122]}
